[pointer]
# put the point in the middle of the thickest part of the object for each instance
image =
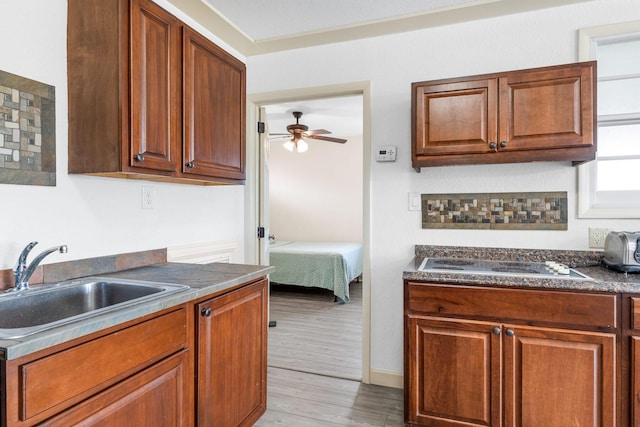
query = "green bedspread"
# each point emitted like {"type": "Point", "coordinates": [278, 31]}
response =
{"type": "Point", "coordinates": [328, 265]}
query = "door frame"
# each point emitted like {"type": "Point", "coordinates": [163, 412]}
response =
{"type": "Point", "coordinates": [252, 186]}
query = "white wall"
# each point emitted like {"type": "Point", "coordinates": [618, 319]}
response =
{"type": "Point", "coordinates": [316, 195]}
{"type": "Point", "coordinates": [94, 216]}
{"type": "Point", "coordinates": [391, 63]}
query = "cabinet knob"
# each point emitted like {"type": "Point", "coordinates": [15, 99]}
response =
{"type": "Point", "coordinates": [138, 157]}
{"type": "Point", "coordinates": [503, 144]}
{"type": "Point", "coordinates": [206, 312]}
{"type": "Point", "coordinates": [510, 333]}
{"type": "Point", "coordinates": [191, 165]}
{"type": "Point", "coordinates": [496, 330]}
{"type": "Point", "coordinates": [493, 145]}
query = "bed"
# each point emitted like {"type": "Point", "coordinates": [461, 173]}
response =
{"type": "Point", "coordinates": [328, 265]}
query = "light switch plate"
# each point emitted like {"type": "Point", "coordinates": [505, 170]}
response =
{"type": "Point", "coordinates": [415, 202]}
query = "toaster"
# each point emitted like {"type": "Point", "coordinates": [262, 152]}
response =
{"type": "Point", "coordinates": [622, 251]}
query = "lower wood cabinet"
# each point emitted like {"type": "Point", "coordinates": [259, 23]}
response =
{"type": "Point", "coordinates": [489, 370]}
{"type": "Point", "coordinates": [635, 380]}
{"type": "Point", "coordinates": [202, 363]}
{"type": "Point", "coordinates": [557, 377]}
{"type": "Point", "coordinates": [453, 373]}
{"type": "Point", "coordinates": [231, 364]}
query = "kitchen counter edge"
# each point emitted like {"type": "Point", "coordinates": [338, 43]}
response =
{"type": "Point", "coordinates": [203, 280]}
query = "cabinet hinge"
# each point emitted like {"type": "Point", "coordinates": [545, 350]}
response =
{"type": "Point", "coordinates": [260, 232]}
{"type": "Point", "coordinates": [260, 127]}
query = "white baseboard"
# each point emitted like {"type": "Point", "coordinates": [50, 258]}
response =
{"type": "Point", "coordinates": [386, 378]}
{"type": "Point", "coordinates": [204, 253]}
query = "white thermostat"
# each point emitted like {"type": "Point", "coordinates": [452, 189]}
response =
{"type": "Point", "coordinates": [386, 153]}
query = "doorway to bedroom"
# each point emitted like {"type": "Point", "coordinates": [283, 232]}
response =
{"type": "Point", "coordinates": [316, 200]}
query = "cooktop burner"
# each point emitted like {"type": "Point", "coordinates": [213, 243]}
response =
{"type": "Point", "coordinates": [548, 269]}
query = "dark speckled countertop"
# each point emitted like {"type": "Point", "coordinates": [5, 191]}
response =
{"type": "Point", "coordinates": [203, 280]}
{"type": "Point", "coordinates": [585, 262]}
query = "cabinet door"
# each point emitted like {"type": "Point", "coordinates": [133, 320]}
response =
{"type": "Point", "coordinates": [214, 110]}
{"type": "Point", "coordinates": [154, 89]}
{"type": "Point", "coordinates": [232, 357]}
{"type": "Point", "coordinates": [157, 396]}
{"type": "Point", "coordinates": [546, 109]}
{"type": "Point", "coordinates": [635, 380]}
{"type": "Point", "coordinates": [455, 118]}
{"type": "Point", "coordinates": [559, 377]}
{"type": "Point", "coordinates": [453, 373]}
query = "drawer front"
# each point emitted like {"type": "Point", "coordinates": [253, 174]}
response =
{"type": "Point", "coordinates": [544, 306]}
{"type": "Point", "coordinates": [78, 372]}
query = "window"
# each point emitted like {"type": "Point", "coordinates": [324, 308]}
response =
{"type": "Point", "coordinates": [609, 187]}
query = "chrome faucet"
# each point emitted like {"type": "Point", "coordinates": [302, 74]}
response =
{"type": "Point", "coordinates": [22, 273]}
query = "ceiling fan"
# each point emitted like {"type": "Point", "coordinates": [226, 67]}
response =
{"type": "Point", "coordinates": [299, 131]}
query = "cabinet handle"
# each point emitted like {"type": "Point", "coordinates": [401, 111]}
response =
{"type": "Point", "coordinates": [138, 157]}
{"type": "Point", "coordinates": [503, 144]}
{"type": "Point", "coordinates": [493, 145]}
{"type": "Point", "coordinates": [206, 312]}
{"type": "Point", "coordinates": [191, 165]}
{"type": "Point", "coordinates": [496, 330]}
{"type": "Point", "coordinates": [510, 333]}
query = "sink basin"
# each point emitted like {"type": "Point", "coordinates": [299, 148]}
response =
{"type": "Point", "coordinates": [43, 307]}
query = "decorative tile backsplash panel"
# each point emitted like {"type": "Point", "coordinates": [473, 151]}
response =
{"type": "Point", "coordinates": [495, 211]}
{"type": "Point", "coordinates": [27, 131]}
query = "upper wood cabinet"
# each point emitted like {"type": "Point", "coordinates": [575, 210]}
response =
{"type": "Point", "coordinates": [541, 114]}
{"type": "Point", "coordinates": [214, 110]}
{"type": "Point", "coordinates": [150, 98]}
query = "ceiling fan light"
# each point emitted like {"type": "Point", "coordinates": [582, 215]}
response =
{"type": "Point", "coordinates": [302, 146]}
{"type": "Point", "coordinates": [289, 145]}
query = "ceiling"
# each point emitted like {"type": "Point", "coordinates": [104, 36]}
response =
{"type": "Point", "coordinates": [257, 26]}
{"type": "Point", "coordinates": [287, 18]}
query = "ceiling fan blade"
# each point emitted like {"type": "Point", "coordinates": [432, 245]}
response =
{"type": "Point", "coordinates": [327, 138]}
{"type": "Point", "coordinates": [317, 132]}
{"type": "Point", "coordinates": [278, 134]}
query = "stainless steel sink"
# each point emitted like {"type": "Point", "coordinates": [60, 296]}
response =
{"type": "Point", "coordinates": [39, 308]}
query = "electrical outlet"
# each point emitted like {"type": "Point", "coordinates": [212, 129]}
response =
{"type": "Point", "coordinates": [147, 197]}
{"type": "Point", "coordinates": [597, 237]}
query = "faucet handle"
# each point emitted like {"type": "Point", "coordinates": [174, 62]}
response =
{"type": "Point", "coordinates": [22, 259]}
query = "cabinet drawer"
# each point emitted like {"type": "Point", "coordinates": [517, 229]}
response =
{"type": "Point", "coordinates": [76, 373]}
{"type": "Point", "coordinates": [566, 308]}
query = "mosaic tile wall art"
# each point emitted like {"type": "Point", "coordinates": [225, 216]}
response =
{"type": "Point", "coordinates": [495, 211]}
{"type": "Point", "coordinates": [27, 131]}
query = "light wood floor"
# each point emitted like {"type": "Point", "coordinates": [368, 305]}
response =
{"type": "Point", "coordinates": [314, 333]}
{"type": "Point", "coordinates": [315, 364]}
